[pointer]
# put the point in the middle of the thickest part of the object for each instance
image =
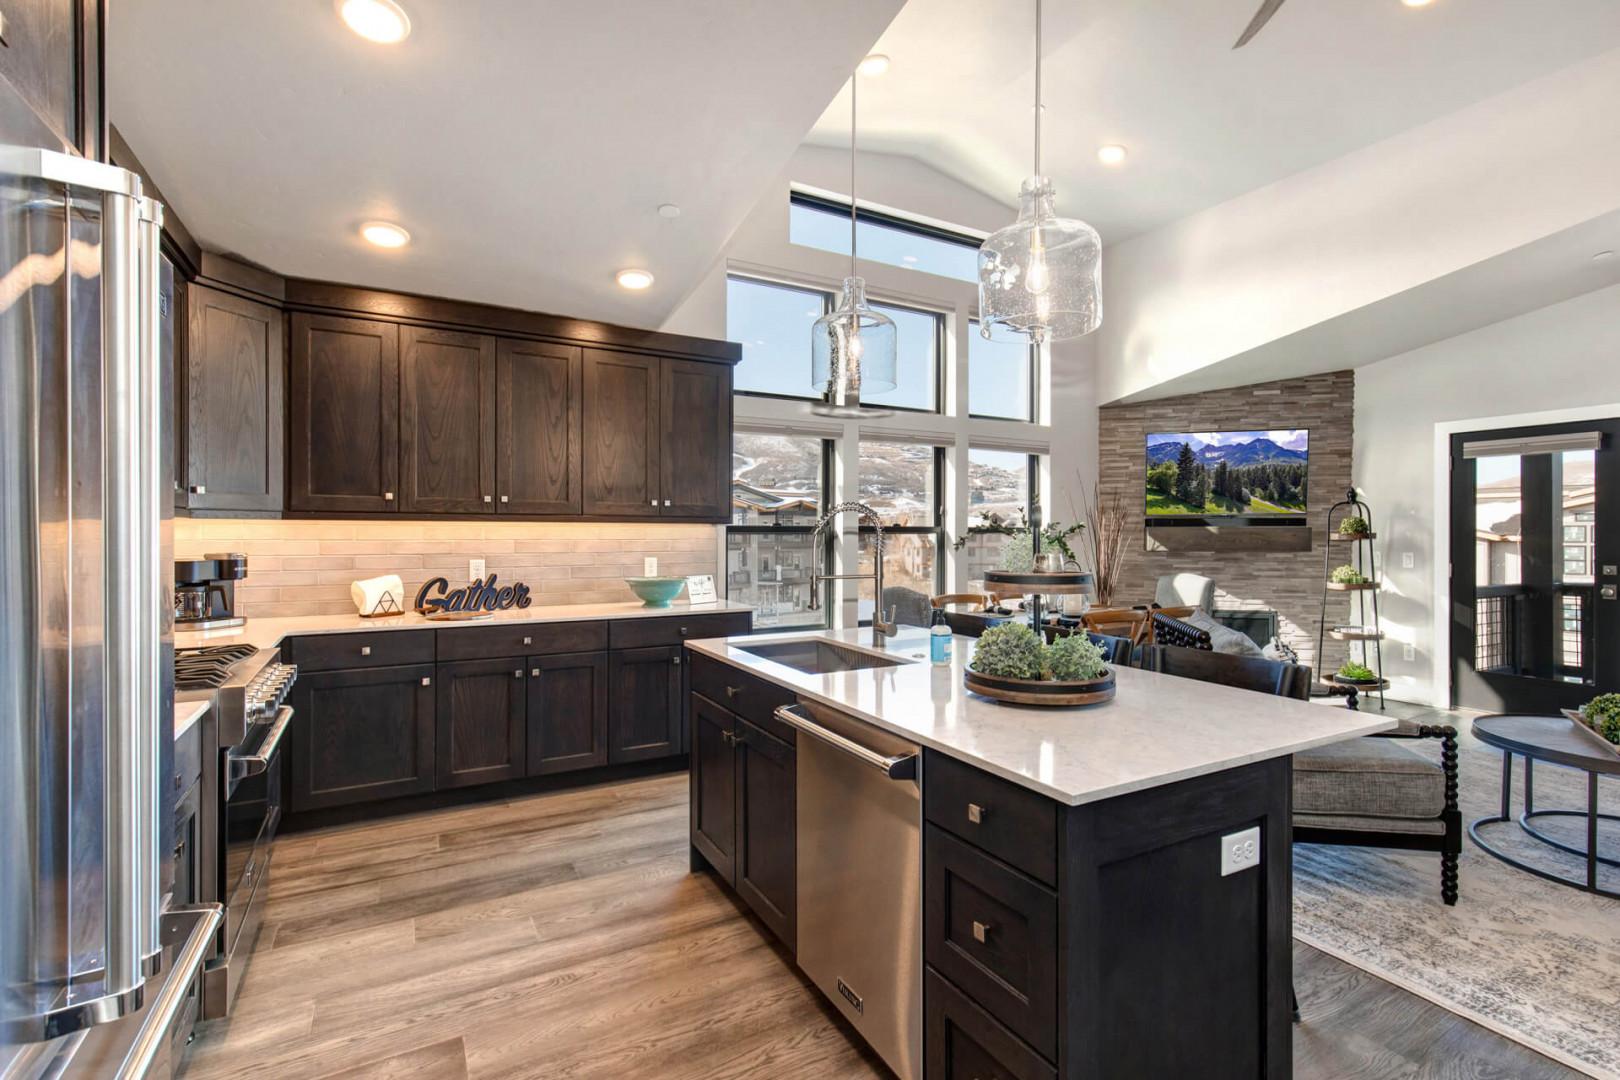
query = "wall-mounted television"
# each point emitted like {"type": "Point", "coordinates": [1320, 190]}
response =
{"type": "Point", "coordinates": [1226, 477]}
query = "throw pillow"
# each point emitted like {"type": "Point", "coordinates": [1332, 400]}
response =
{"type": "Point", "coordinates": [1223, 638]}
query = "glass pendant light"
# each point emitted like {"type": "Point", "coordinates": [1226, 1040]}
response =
{"type": "Point", "coordinates": [1041, 277]}
{"type": "Point", "coordinates": [852, 348]}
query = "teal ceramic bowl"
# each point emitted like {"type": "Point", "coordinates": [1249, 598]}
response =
{"type": "Point", "coordinates": [656, 591]}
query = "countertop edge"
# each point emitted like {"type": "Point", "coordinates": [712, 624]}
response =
{"type": "Point", "coordinates": [187, 713]}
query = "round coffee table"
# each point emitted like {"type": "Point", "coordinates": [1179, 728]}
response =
{"type": "Point", "coordinates": [1556, 740]}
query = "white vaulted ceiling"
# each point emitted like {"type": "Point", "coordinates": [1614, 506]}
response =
{"type": "Point", "coordinates": [525, 144]}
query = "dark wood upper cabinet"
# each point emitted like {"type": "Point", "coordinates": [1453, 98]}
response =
{"type": "Point", "coordinates": [233, 402]}
{"type": "Point", "coordinates": [539, 396]}
{"type": "Point", "coordinates": [568, 712]}
{"type": "Point", "coordinates": [343, 415]}
{"type": "Point", "coordinates": [446, 422]}
{"type": "Point", "coordinates": [621, 434]}
{"type": "Point", "coordinates": [695, 432]}
{"type": "Point", "coordinates": [482, 730]}
{"type": "Point", "coordinates": [644, 713]}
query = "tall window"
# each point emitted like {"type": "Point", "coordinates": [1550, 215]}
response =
{"type": "Point", "coordinates": [777, 492]}
{"type": "Point", "coordinates": [1000, 483]}
{"type": "Point", "coordinates": [920, 342]}
{"type": "Point", "coordinates": [773, 324]}
{"type": "Point", "coordinates": [1001, 378]}
{"type": "Point", "coordinates": [884, 238]}
{"type": "Point", "coordinates": [902, 482]}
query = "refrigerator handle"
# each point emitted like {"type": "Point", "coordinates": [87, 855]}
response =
{"type": "Point", "coordinates": [157, 610]}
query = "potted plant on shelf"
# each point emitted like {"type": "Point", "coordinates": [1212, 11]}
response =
{"type": "Point", "coordinates": [1017, 553]}
{"type": "Point", "coordinates": [1352, 673]}
{"type": "Point", "coordinates": [1354, 528]}
{"type": "Point", "coordinates": [1349, 575]}
{"type": "Point", "coordinates": [1011, 663]}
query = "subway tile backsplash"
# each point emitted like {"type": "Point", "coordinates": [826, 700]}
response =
{"type": "Point", "coordinates": [305, 567]}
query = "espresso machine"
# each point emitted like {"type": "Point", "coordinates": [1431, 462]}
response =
{"type": "Point", "coordinates": [205, 591]}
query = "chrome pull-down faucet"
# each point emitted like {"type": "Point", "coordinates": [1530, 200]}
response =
{"type": "Point", "coordinates": [881, 628]}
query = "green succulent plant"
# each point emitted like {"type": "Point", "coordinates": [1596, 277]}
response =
{"type": "Point", "coordinates": [1010, 650]}
{"type": "Point", "coordinates": [1354, 672]}
{"type": "Point", "coordinates": [1603, 713]}
{"type": "Point", "coordinates": [1075, 657]}
{"type": "Point", "coordinates": [1354, 526]}
{"type": "Point", "coordinates": [1348, 575]}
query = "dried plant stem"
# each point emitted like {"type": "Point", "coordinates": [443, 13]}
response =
{"type": "Point", "coordinates": [1111, 526]}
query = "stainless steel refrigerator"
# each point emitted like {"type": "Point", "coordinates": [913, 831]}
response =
{"type": "Point", "coordinates": [90, 964]}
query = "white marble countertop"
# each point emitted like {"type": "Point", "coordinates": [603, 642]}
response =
{"type": "Point", "coordinates": [268, 633]}
{"type": "Point", "coordinates": [1158, 729]}
{"type": "Point", "coordinates": [187, 713]}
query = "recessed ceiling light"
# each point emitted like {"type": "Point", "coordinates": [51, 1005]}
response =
{"type": "Point", "coordinates": [669, 210]}
{"type": "Point", "coordinates": [633, 278]}
{"type": "Point", "coordinates": [382, 21]}
{"type": "Point", "coordinates": [385, 234]}
{"type": "Point", "coordinates": [908, 258]}
{"type": "Point", "coordinates": [1112, 154]}
{"type": "Point", "coordinates": [1417, 3]}
{"type": "Point", "coordinates": [873, 65]}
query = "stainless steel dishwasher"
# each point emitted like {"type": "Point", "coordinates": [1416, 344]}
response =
{"type": "Point", "coordinates": [860, 876]}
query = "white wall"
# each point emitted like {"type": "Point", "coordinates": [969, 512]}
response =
{"type": "Point", "coordinates": [1560, 362]}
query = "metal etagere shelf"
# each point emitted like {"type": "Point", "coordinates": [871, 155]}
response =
{"type": "Point", "coordinates": [1354, 549]}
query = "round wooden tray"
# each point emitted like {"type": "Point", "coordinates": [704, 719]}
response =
{"type": "Point", "coordinates": [1041, 583]}
{"type": "Point", "coordinates": [1041, 691]}
{"type": "Point", "coordinates": [1346, 684]}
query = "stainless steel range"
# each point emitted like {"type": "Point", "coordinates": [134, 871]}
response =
{"type": "Point", "coordinates": [247, 687]}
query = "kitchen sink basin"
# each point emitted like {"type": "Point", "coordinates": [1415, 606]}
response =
{"type": "Point", "coordinates": [814, 656]}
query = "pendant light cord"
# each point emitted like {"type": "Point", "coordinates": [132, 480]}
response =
{"type": "Point", "coordinates": [1037, 87]}
{"type": "Point", "coordinates": [854, 80]}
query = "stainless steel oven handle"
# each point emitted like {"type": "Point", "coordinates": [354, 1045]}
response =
{"type": "Point", "coordinates": [254, 764]}
{"type": "Point", "coordinates": [898, 767]}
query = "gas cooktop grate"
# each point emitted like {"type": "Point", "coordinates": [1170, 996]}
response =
{"type": "Point", "coordinates": [208, 667]}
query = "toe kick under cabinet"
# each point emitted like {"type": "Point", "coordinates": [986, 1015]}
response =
{"type": "Point", "coordinates": [392, 713]}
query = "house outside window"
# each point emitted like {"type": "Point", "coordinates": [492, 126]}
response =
{"type": "Point", "coordinates": [777, 492]}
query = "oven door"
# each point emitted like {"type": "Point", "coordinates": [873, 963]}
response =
{"type": "Point", "coordinates": [252, 812]}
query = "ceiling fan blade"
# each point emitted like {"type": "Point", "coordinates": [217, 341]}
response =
{"type": "Point", "coordinates": [1256, 24]}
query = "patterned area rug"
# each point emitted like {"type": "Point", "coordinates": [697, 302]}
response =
{"type": "Point", "coordinates": [1535, 961]}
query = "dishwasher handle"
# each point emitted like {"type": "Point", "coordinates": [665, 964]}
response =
{"type": "Point", "coordinates": [898, 767]}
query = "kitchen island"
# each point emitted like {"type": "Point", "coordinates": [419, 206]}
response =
{"type": "Point", "coordinates": [1097, 891]}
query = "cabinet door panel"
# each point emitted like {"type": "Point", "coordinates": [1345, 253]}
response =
{"type": "Point", "coordinates": [343, 414]}
{"type": "Point", "coordinates": [360, 736]}
{"type": "Point", "coordinates": [767, 830]}
{"type": "Point", "coordinates": [447, 422]}
{"type": "Point", "coordinates": [539, 404]}
{"type": "Point", "coordinates": [482, 731]}
{"type": "Point", "coordinates": [714, 786]}
{"type": "Point", "coordinates": [233, 410]}
{"type": "Point", "coordinates": [644, 707]}
{"type": "Point", "coordinates": [695, 435]}
{"type": "Point", "coordinates": [568, 712]}
{"type": "Point", "coordinates": [621, 434]}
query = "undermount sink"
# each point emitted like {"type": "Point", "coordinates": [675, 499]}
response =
{"type": "Point", "coordinates": [814, 656]}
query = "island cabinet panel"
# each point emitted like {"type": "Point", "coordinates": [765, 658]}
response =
{"type": "Point", "coordinates": [539, 397]}
{"type": "Point", "coordinates": [362, 735]}
{"type": "Point", "coordinates": [766, 873]}
{"type": "Point", "coordinates": [714, 786]}
{"type": "Point", "coordinates": [568, 712]}
{"type": "Point", "coordinates": [233, 403]}
{"type": "Point", "coordinates": [644, 714]}
{"type": "Point", "coordinates": [695, 432]}
{"type": "Point", "coordinates": [621, 434]}
{"type": "Point", "coordinates": [447, 422]}
{"type": "Point", "coordinates": [750, 697]}
{"type": "Point", "coordinates": [343, 415]}
{"type": "Point", "coordinates": [482, 722]}
{"type": "Point", "coordinates": [963, 1042]}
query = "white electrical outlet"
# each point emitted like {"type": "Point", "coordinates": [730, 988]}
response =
{"type": "Point", "coordinates": [649, 566]}
{"type": "Point", "coordinates": [1240, 850]}
{"type": "Point", "coordinates": [1408, 651]}
{"type": "Point", "coordinates": [1408, 560]}
{"type": "Point", "coordinates": [475, 569]}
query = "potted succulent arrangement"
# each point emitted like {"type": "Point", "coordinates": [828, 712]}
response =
{"type": "Point", "coordinates": [1353, 673]}
{"type": "Point", "coordinates": [1012, 663]}
{"type": "Point", "coordinates": [1348, 576]}
{"type": "Point", "coordinates": [1602, 715]}
{"type": "Point", "coordinates": [1354, 528]}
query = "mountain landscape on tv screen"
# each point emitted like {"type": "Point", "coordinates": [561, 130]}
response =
{"type": "Point", "coordinates": [1227, 473]}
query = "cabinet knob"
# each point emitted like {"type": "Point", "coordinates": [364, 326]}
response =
{"type": "Point", "coordinates": [491, 498]}
{"type": "Point", "coordinates": [683, 631]}
{"type": "Point", "coordinates": [199, 489]}
{"type": "Point", "coordinates": [976, 813]}
{"type": "Point", "coordinates": [675, 660]}
{"type": "Point", "coordinates": [506, 498]}
{"type": "Point", "coordinates": [518, 674]}
{"type": "Point", "coordinates": [666, 502]}
{"type": "Point", "coordinates": [427, 681]}
{"type": "Point", "coordinates": [981, 931]}
{"type": "Point", "coordinates": [534, 673]}
{"type": "Point", "coordinates": [365, 650]}
{"type": "Point", "coordinates": [388, 496]}
{"type": "Point", "coordinates": [732, 691]}
{"type": "Point", "coordinates": [528, 641]}
{"type": "Point", "coordinates": [655, 502]}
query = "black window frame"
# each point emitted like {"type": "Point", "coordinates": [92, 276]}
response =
{"type": "Point", "coordinates": [1034, 381]}
{"type": "Point", "coordinates": [828, 456]}
{"type": "Point", "coordinates": [878, 217]}
{"type": "Point", "coordinates": [937, 530]}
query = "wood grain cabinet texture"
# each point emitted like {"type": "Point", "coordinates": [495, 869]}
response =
{"type": "Point", "coordinates": [343, 415]}
{"type": "Point", "coordinates": [539, 399]}
{"type": "Point", "coordinates": [482, 713]}
{"type": "Point", "coordinates": [644, 714]}
{"type": "Point", "coordinates": [622, 434]}
{"type": "Point", "coordinates": [362, 735]}
{"type": "Point", "coordinates": [232, 404]}
{"type": "Point", "coordinates": [568, 712]}
{"type": "Point", "coordinates": [446, 422]}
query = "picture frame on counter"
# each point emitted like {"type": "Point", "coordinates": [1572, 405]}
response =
{"type": "Point", "coordinates": [700, 589]}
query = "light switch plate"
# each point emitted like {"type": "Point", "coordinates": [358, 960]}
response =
{"type": "Point", "coordinates": [1409, 651]}
{"type": "Point", "coordinates": [1408, 560]}
{"type": "Point", "coordinates": [649, 566]}
{"type": "Point", "coordinates": [1240, 850]}
{"type": "Point", "coordinates": [475, 569]}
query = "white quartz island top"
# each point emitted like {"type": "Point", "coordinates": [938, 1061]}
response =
{"type": "Point", "coordinates": [1157, 730]}
{"type": "Point", "coordinates": [268, 633]}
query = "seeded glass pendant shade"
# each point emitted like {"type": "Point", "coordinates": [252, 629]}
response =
{"type": "Point", "coordinates": [1040, 278]}
{"type": "Point", "coordinates": [853, 349]}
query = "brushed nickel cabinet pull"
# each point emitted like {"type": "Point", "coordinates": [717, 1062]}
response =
{"type": "Point", "coordinates": [426, 681]}
{"type": "Point", "coordinates": [655, 502]}
{"type": "Point", "coordinates": [980, 931]}
{"type": "Point", "coordinates": [490, 498]}
{"type": "Point", "coordinates": [365, 650]}
{"type": "Point", "coordinates": [666, 502]}
{"type": "Point", "coordinates": [676, 660]}
{"type": "Point", "coordinates": [976, 813]}
{"type": "Point", "coordinates": [388, 496]}
{"type": "Point", "coordinates": [199, 489]}
{"type": "Point", "coordinates": [506, 498]}
{"type": "Point", "coordinates": [733, 691]}
{"type": "Point", "coordinates": [534, 673]}
{"type": "Point", "coordinates": [528, 641]}
{"type": "Point", "coordinates": [518, 674]}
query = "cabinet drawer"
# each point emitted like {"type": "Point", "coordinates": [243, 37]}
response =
{"type": "Point", "coordinates": [752, 698]}
{"type": "Point", "coordinates": [1012, 823]}
{"type": "Point", "coordinates": [993, 932]}
{"type": "Point", "coordinates": [382, 648]}
{"type": "Point", "coordinates": [675, 629]}
{"type": "Point", "coordinates": [521, 639]}
{"type": "Point", "coordinates": [963, 1042]}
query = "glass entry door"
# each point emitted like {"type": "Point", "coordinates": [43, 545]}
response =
{"type": "Point", "coordinates": [1535, 539]}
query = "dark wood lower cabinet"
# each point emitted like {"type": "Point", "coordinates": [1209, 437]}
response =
{"type": "Point", "coordinates": [714, 786]}
{"type": "Point", "coordinates": [362, 735]}
{"type": "Point", "coordinates": [568, 712]}
{"type": "Point", "coordinates": [767, 827]}
{"type": "Point", "coordinates": [483, 735]}
{"type": "Point", "coordinates": [645, 714]}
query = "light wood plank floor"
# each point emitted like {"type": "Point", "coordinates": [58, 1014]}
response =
{"type": "Point", "coordinates": [562, 936]}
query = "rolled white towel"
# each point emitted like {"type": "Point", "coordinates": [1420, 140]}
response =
{"type": "Point", "coordinates": [370, 593]}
